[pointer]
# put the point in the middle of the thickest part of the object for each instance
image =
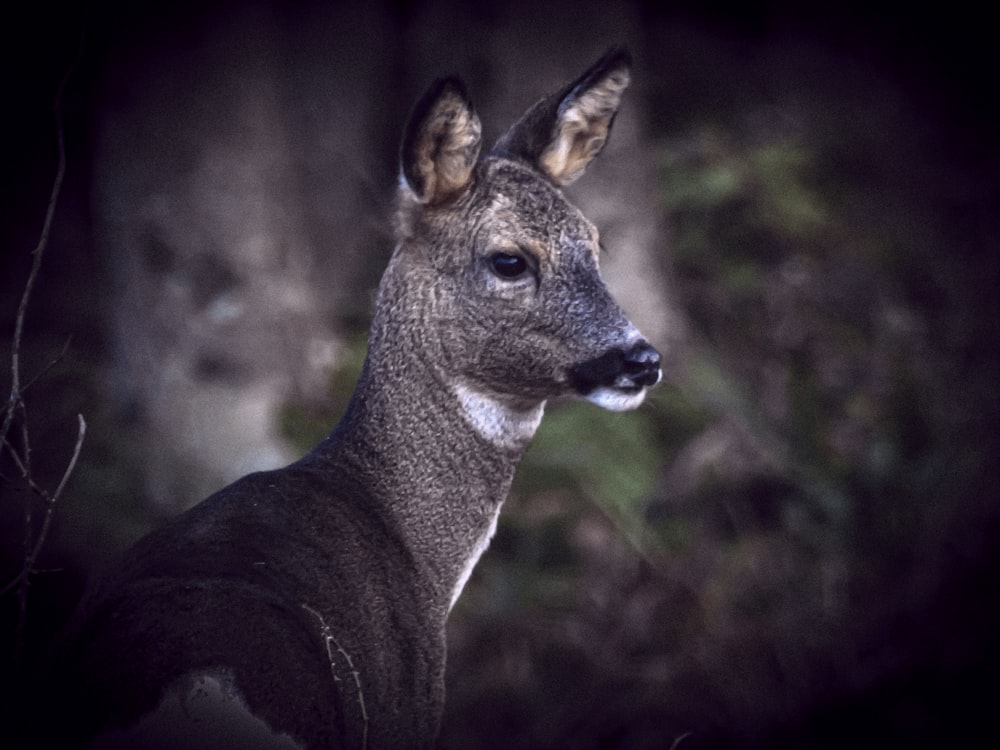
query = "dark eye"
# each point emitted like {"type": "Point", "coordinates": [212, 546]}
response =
{"type": "Point", "coordinates": [508, 266]}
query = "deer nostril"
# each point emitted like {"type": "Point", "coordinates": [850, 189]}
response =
{"type": "Point", "coordinates": [631, 369]}
{"type": "Point", "coordinates": [642, 355]}
{"type": "Point", "coordinates": [642, 364]}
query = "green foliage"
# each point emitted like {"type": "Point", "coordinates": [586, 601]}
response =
{"type": "Point", "coordinates": [610, 459]}
{"type": "Point", "coordinates": [305, 424]}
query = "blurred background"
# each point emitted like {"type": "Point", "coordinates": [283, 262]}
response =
{"type": "Point", "coordinates": [792, 544]}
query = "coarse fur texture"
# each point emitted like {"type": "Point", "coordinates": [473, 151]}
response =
{"type": "Point", "coordinates": [306, 606]}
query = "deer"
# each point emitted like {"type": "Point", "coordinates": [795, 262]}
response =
{"type": "Point", "coordinates": [306, 606]}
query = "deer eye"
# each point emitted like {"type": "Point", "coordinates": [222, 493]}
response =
{"type": "Point", "coordinates": [507, 265]}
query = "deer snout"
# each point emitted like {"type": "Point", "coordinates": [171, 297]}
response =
{"type": "Point", "coordinates": [641, 365]}
{"type": "Point", "coordinates": [617, 379]}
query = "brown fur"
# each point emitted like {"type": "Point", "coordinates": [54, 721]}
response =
{"type": "Point", "coordinates": [309, 603]}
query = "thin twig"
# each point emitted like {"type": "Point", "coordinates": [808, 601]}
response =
{"type": "Point", "coordinates": [47, 522]}
{"type": "Point", "coordinates": [15, 407]}
{"type": "Point", "coordinates": [33, 548]}
{"type": "Point", "coordinates": [328, 640]}
{"type": "Point", "coordinates": [48, 366]}
{"type": "Point", "coordinates": [37, 255]}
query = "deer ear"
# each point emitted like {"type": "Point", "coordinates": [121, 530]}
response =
{"type": "Point", "coordinates": [440, 144]}
{"type": "Point", "coordinates": [563, 133]}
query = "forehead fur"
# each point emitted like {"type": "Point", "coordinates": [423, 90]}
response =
{"type": "Point", "coordinates": [508, 203]}
{"type": "Point", "coordinates": [534, 210]}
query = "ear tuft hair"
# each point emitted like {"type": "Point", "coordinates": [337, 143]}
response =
{"type": "Point", "coordinates": [564, 132]}
{"type": "Point", "coordinates": [440, 144]}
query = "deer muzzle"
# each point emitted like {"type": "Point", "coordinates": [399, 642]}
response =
{"type": "Point", "coordinates": [623, 370]}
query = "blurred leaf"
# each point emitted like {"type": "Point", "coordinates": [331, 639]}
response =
{"type": "Point", "coordinates": [611, 458]}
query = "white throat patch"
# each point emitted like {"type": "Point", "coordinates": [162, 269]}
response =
{"type": "Point", "coordinates": [498, 423]}
{"type": "Point", "coordinates": [470, 564]}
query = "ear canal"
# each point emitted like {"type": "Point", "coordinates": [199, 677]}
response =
{"type": "Point", "coordinates": [440, 144]}
{"type": "Point", "coordinates": [563, 133]}
{"type": "Point", "coordinates": [582, 126]}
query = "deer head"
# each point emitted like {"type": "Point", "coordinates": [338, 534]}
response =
{"type": "Point", "coordinates": [496, 273]}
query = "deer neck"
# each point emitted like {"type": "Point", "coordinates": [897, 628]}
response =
{"type": "Point", "coordinates": [436, 456]}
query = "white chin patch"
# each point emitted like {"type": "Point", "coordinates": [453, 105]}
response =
{"type": "Point", "coordinates": [615, 400]}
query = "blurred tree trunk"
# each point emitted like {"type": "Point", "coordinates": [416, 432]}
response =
{"type": "Point", "coordinates": [240, 198]}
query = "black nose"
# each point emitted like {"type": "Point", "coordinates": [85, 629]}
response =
{"type": "Point", "coordinates": [642, 364]}
{"type": "Point", "coordinates": [624, 369]}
